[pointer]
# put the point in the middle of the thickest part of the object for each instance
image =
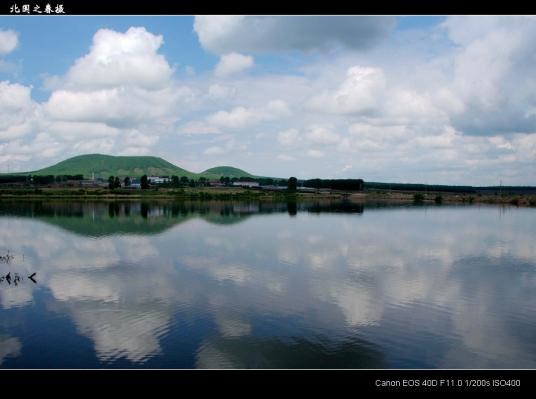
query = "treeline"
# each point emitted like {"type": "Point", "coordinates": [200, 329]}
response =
{"type": "Point", "coordinates": [420, 187]}
{"type": "Point", "coordinates": [38, 179]}
{"type": "Point", "coordinates": [336, 184]}
{"type": "Point", "coordinates": [442, 188]}
{"type": "Point", "coordinates": [184, 181]}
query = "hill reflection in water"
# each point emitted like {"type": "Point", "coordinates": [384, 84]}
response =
{"type": "Point", "coordinates": [326, 284]}
{"type": "Point", "coordinates": [104, 218]}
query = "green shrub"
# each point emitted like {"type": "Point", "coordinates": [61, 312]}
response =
{"type": "Point", "coordinates": [418, 197]}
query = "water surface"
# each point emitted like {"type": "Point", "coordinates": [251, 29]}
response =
{"type": "Point", "coordinates": [330, 284]}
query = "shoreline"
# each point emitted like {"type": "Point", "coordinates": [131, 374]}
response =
{"type": "Point", "coordinates": [241, 194]}
{"type": "Point", "coordinates": [504, 199]}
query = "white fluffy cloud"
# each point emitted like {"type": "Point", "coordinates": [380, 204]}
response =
{"type": "Point", "coordinates": [233, 63]}
{"type": "Point", "coordinates": [122, 59]}
{"type": "Point", "coordinates": [323, 135]}
{"type": "Point", "coordinates": [494, 73]}
{"type": "Point", "coordinates": [407, 107]}
{"type": "Point", "coordinates": [121, 86]}
{"type": "Point", "coordinates": [9, 39]}
{"type": "Point", "coordinates": [17, 111]}
{"type": "Point", "coordinates": [217, 92]}
{"type": "Point", "coordinates": [72, 131]}
{"type": "Point", "coordinates": [360, 92]}
{"type": "Point", "coordinates": [229, 146]}
{"type": "Point", "coordinates": [241, 117]}
{"type": "Point", "coordinates": [42, 146]}
{"type": "Point", "coordinates": [116, 107]}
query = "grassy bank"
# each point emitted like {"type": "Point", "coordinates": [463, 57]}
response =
{"type": "Point", "coordinates": [242, 194]}
{"type": "Point", "coordinates": [504, 199]}
{"type": "Point", "coordinates": [137, 194]}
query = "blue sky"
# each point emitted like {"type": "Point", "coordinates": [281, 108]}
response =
{"type": "Point", "coordinates": [420, 99]}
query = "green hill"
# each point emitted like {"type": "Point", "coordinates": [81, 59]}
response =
{"type": "Point", "coordinates": [219, 171]}
{"type": "Point", "coordinates": [133, 166]}
{"type": "Point", "coordinates": [107, 165]}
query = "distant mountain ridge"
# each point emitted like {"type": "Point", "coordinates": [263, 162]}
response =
{"type": "Point", "coordinates": [133, 166]}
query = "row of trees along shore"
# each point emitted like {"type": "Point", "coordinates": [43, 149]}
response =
{"type": "Point", "coordinates": [39, 179]}
{"type": "Point", "coordinates": [292, 183]}
{"type": "Point", "coordinates": [184, 181]}
{"type": "Point", "coordinates": [175, 181]}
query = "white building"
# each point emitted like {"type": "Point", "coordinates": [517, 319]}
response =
{"type": "Point", "coordinates": [156, 179]}
{"type": "Point", "coordinates": [246, 183]}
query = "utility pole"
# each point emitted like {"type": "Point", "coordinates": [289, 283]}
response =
{"type": "Point", "coordinates": [500, 187]}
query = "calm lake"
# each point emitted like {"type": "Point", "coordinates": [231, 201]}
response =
{"type": "Point", "coordinates": [221, 285]}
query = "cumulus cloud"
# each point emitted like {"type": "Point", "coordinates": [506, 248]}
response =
{"type": "Point", "coordinates": [233, 63]}
{"type": "Point", "coordinates": [364, 136]}
{"type": "Point", "coordinates": [238, 118]}
{"type": "Point", "coordinates": [137, 139]}
{"type": "Point", "coordinates": [358, 94]}
{"type": "Point", "coordinates": [228, 146]}
{"type": "Point", "coordinates": [102, 106]}
{"type": "Point", "coordinates": [118, 59]}
{"type": "Point", "coordinates": [446, 139]}
{"type": "Point", "coordinates": [241, 117]}
{"type": "Point", "coordinates": [118, 97]}
{"type": "Point", "coordinates": [72, 131]}
{"type": "Point", "coordinates": [493, 73]}
{"type": "Point", "coordinates": [447, 100]}
{"type": "Point", "coordinates": [483, 65]}
{"type": "Point", "coordinates": [408, 107]}
{"type": "Point", "coordinates": [217, 92]}
{"type": "Point", "coordinates": [117, 107]}
{"type": "Point", "coordinates": [264, 34]}
{"type": "Point", "coordinates": [17, 111]}
{"type": "Point", "coordinates": [42, 146]}
{"type": "Point", "coordinates": [525, 148]}
{"type": "Point", "coordinates": [9, 39]}
{"type": "Point", "coordinates": [322, 135]}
